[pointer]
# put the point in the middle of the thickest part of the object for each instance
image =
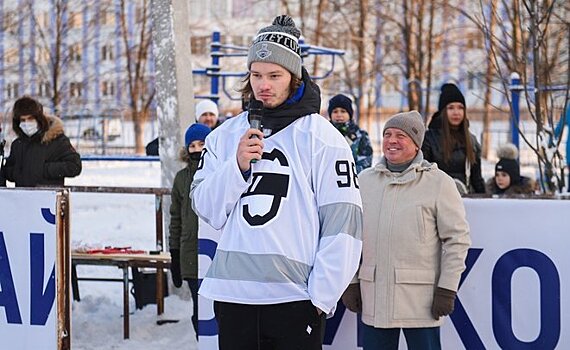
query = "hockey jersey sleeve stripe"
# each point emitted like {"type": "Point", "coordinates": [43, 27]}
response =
{"type": "Point", "coordinates": [268, 268]}
{"type": "Point", "coordinates": [341, 218]}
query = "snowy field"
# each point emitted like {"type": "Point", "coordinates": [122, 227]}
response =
{"type": "Point", "coordinates": [120, 220]}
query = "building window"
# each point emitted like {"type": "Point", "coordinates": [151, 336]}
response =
{"type": "Point", "coordinates": [75, 51]}
{"type": "Point", "coordinates": [200, 45]}
{"type": "Point", "coordinates": [43, 55]}
{"type": "Point", "coordinates": [11, 56]}
{"type": "Point", "coordinates": [474, 41]}
{"type": "Point", "coordinates": [42, 20]}
{"type": "Point", "coordinates": [107, 52]}
{"type": "Point", "coordinates": [75, 20]}
{"type": "Point", "coordinates": [75, 89]}
{"type": "Point", "coordinates": [44, 89]}
{"type": "Point", "coordinates": [12, 90]}
{"type": "Point", "coordinates": [475, 80]}
{"type": "Point", "coordinates": [10, 22]}
{"type": "Point", "coordinates": [108, 88]}
{"type": "Point", "coordinates": [107, 18]}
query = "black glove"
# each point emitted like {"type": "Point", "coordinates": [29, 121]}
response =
{"type": "Point", "coordinates": [175, 267]}
{"type": "Point", "coordinates": [443, 302]}
{"type": "Point", "coordinates": [352, 299]}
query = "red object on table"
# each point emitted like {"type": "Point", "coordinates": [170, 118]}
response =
{"type": "Point", "coordinates": [115, 250]}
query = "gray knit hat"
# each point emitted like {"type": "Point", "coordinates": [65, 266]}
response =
{"type": "Point", "coordinates": [279, 44]}
{"type": "Point", "coordinates": [409, 122]}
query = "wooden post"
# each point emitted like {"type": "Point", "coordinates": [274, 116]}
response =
{"type": "Point", "coordinates": [63, 271]}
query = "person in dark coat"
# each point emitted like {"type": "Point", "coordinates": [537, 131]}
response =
{"type": "Point", "coordinates": [450, 144]}
{"type": "Point", "coordinates": [507, 179]}
{"type": "Point", "coordinates": [41, 155]}
{"type": "Point", "coordinates": [151, 148]}
{"type": "Point", "coordinates": [2, 143]}
{"type": "Point", "coordinates": [341, 115]}
{"type": "Point", "coordinates": [183, 238]}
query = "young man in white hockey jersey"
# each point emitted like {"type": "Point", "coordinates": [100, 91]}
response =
{"type": "Point", "coordinates": [288, 203]}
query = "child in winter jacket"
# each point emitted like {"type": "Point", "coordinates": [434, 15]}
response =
{"type": "Point", "coordinates": [183, 238]}
{"type": "Point", "coordinates": [341, 116]}
{"type": "Point", "coordinates": [507, 179]}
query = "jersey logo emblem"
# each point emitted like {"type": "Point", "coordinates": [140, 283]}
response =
{"type": "Point", "coordinates": [267, 184]}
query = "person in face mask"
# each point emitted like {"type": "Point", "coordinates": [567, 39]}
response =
{"type": "Point", "coordinates": [340, 113]}
{"type": "Point", "coordinates": [41, 155]}
{"type": "Point", "coordinates": [183, 239]}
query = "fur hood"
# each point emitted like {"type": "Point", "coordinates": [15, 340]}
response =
{"type": "Point", "coordinates": [183, 155]}
{"type": "Point", "coordinates": [55, 129]}
{"type": "Point", "coordinates": [526, 186]}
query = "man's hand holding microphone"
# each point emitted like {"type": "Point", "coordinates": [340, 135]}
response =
{"type": "Point", "coordinates": [250, 147]}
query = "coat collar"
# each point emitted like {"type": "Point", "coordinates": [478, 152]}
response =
{"type": "Point", "coordinates": [419, 164]}
{"type": "Point", "coordinates": [55, 129]}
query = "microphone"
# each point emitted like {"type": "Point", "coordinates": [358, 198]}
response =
{"type": "Point", "coordinates": [255, 114]}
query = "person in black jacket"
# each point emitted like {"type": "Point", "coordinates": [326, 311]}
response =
{"type": "Point", "coordinates": [449, 143]}
{"type": "Point", "coordinates": [41, 155]}
{"type": "Point", "coordinates": [2, 143]}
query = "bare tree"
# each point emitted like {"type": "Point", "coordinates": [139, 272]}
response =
{"type": "Point", "coordinates": [535, 45]}
{"type": "Point", "coordinates": [413, 47]}
{"type": "Point", "coordinates": [50, 48]}
{"type": "Point", "coordinates": [486, 138]}
{"type": "Point", "coordinates": [321, 7]}
{"type": "Point", "coordinates": [140, 90]}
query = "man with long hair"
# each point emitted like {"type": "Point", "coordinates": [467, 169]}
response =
{"type": "Point", "coordinates": [287, 201]}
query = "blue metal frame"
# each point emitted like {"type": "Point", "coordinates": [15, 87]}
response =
{"type": "Point", "coordinates": [119, 158]}
{"type": "Point", "coordinates": [219, 50]}
{"type": "Point", "coordinates": [516, 87]}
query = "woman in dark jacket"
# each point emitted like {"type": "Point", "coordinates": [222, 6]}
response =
{"type": "Point", "coordinates": [450, 145]}
{"type": "Point", "coordinates": [41, 155]}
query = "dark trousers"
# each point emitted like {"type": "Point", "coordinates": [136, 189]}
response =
{"type": "Point", "coordinates": [388, 338]}
{"type": "Point", "coordinates": [193, 285]}
{"type": "Point", "coordinates": [287, 326]}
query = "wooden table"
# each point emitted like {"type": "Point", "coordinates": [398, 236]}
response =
{"type": "Point", "coordinates": [124, 261]}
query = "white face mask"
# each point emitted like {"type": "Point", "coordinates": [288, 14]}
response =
{"type": "Point", "coordinates": [29, 128]}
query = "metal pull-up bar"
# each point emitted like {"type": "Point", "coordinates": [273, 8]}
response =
{"type": "Point", "coordinates": [219, 50]}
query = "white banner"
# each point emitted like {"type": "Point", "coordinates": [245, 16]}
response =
{"type": "Point", "coordinates": [27, 269]}
{"type": "Point", "coordinates": [511, 294]}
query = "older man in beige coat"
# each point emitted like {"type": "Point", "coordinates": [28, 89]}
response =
{"type": "Point", "coordinates": [415, 242]}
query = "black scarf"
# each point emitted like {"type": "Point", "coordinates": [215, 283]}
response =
{"type": "Point", "coordinates": [306, 100]}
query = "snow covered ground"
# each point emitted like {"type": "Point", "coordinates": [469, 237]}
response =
{"type": "Point", "coordinates": [120, 220]}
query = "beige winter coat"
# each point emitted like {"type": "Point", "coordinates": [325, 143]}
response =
{"type": "Point", "coordinates": [415, 238]}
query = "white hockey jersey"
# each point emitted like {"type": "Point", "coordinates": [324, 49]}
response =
{"type": "Point", "coordinates": [292, 231]}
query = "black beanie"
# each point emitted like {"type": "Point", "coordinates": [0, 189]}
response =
{"type": "Point", "coordinates": [340, 101]}
{"type": "Point", "coordinates": [449, 93]}
{"type": "Point", "coordinates": [508, 162]}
